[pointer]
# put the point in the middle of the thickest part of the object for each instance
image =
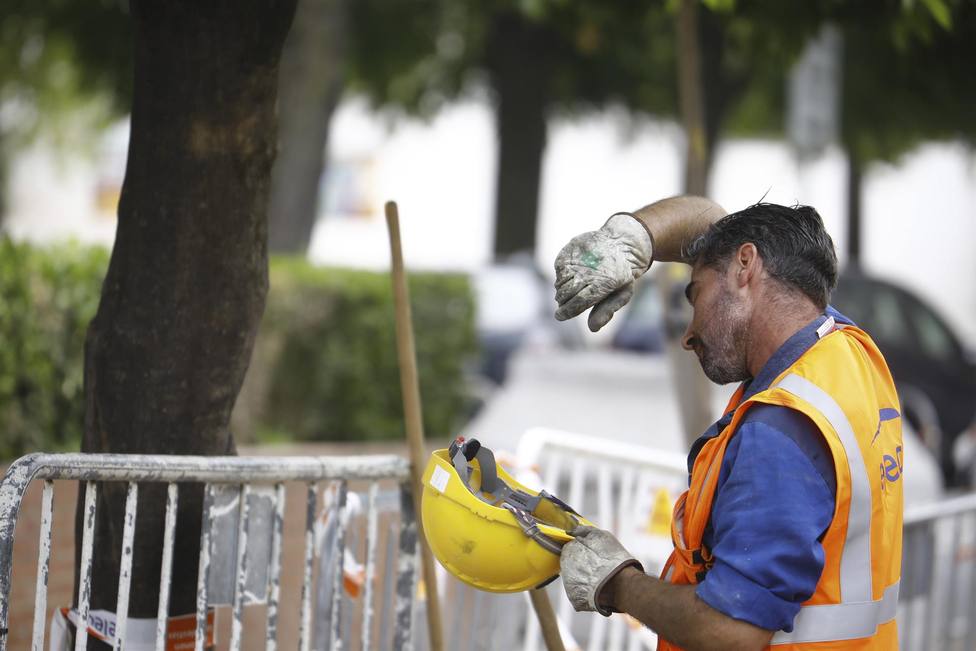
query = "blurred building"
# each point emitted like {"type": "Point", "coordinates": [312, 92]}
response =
{"type": "Point", "coordinates": [919, 215]}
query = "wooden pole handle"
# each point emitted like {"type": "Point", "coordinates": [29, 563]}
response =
{"type": "Point", "coordinates": [547, 619]}
{"type": "Point", "coordinates": [410, 390]}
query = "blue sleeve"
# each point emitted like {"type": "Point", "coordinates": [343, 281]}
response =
{"type": "Point", "coordinates": [767, 519]}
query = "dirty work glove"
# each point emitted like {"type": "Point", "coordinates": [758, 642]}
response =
{"type": "Point", "coordinates": [598, 268]}
{"type": "Point", "coordinates": [588, 562]}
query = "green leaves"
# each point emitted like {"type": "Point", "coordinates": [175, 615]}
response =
{"type": "Point", "coordinates": [47, 297]}
{"type": "Point", "coordinates": [324, 367]}
{"type": "Point", "coordinates": [325, 364]}
{"type": "Point", "coordinates": [940, 12]}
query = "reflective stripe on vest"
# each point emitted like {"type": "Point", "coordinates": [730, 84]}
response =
{"type": "Point", "coordinates": [857, 615]}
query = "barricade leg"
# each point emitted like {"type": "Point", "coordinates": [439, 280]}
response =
{"type": "Point", "coordinates": [84, 585]}
{"type": "Point", "coordinates": [305, 629]}
{"type": "Point", "coordinates": [203, 572]}
{"type": "Point", "coordinates": [125, 564]}
{"type": "Point", "coordinates": [166, 571]}
{"type": "Point", "coordinates": [406, 573]}
{"type": "Point", "coordinates": [274, 568]}
{"type": "Point", "coordinates": [43, 566]}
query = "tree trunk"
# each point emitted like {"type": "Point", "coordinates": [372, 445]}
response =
{"type": "Point", "coordinates": [519, 62]}
{"type": "Point", "coordinates": [692, 98]}
{"type": "Point", "coordinates": [854, 186]}
{"type": "Point", "coordinates": [310, 86]}
{"type": "Point", "coordinates": [692, 387]}
{"type": "Point", "coordinates": [167, 350]}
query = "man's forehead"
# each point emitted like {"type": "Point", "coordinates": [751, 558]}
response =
{"type": "Point", "coordinates": [700, 273]}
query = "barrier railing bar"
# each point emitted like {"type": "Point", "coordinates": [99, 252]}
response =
{"type": "Point", "coordinates": [274, 568]}
{"type": "Point", "coordinates": [125, 563]}
{"type": "Point", "coordinates": [950, 606]}
{"type": "Point", "coordinates": [335, 636]}
{"type": "Point", "coordinates": [213, 470]}
{"type": "Point", "coordinates": [305, 627]}
{"type": "Point", "coordinates": [931, 511]}
{"type": "Point", "coordinates": [909, 582]}
{"type": "Point", "coordinates": [455, 631]}
{"type": "Point", "coordinates": [203, 571]}
{"type": "Point", "coordinates": [971, 620]}
{"type": "Point", "coordinates": [406, 572]}
{"type": "Point", "coordinates": [43, 566]}
{"type": "Point", "coordinates": [370, 565]}
{"type": "Point", "coordinates": [386, 598]}
{"type": "Point", "coordinates": [243, 512]}
{"type": "Point", "coordinates": [932, 569]}
{"type": "Point", "coordinates": [169, 533]}
{"type": "Point", "coordinates": [84, 585]}
{"type": "Point", "coordinates": [576, 477]}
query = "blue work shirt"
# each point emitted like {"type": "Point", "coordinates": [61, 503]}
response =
{"type": "Point", "coordinates": [773, 503]}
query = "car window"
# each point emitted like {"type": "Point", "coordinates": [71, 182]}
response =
{"type": "Point", "coordinates": [887, 317]}
{"type": "Point", "coordinates": [647, 306]}
{"type": "Point", "coordinates": [933, 337]}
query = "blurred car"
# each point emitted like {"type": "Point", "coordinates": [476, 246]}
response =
{"type": "Point", "coordinates": [641, 328]}
{"type": "Point", "coordinates": [935, 374]}
{"type": "Point", "coordinates": [514, 308]}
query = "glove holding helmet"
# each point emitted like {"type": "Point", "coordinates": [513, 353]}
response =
{"type": "Point", "coordinates": [587, 564]}
{"type": "Point", "coordinates": [597, 269]}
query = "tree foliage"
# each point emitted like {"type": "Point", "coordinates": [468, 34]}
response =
{"type": "Point", "coordinates": [55, 56]}
{"type": "Point", "coordinates": [908, 76]}
{"type": "Point", "coordinates": [906, 68]}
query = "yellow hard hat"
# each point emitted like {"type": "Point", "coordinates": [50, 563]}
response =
{"type": "Point", "coordinates": [487, 529]}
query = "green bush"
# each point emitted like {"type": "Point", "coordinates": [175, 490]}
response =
{"type": "Point", "coordinates": [325, 365]}
{"type": "Point", "coordinates": [47, 297]}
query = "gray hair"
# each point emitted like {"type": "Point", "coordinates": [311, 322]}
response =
{"type": "Point", "coordinates": [792, 242]}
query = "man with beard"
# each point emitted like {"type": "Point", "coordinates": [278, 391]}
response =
{"type": "Point", "coordinates": [790, 532]}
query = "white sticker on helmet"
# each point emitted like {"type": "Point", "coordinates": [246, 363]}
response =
{"type": "Point", "coordinates": [439, 478]}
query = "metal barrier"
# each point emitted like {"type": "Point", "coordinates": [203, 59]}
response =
{"type": "Point", "coordinates": [251, 486]}
{"type": "Point", "coordinates": [622, 488]}
{"type": "Point", "coordinates": [937, 605]}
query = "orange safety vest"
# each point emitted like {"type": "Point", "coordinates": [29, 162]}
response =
{"type": "Point", "coordinates": [843, 385]}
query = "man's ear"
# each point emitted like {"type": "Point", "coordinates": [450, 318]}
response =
{"type": "Point", "coordinates": [747, 264]}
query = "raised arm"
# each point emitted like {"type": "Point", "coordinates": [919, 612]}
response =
{"type": "Point", "coordinates": [598, 268]}
{"type": "Point", "coordinates": [674, 222]}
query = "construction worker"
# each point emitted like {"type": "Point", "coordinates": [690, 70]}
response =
{"type": "Point", "coordinates": [790, 532]}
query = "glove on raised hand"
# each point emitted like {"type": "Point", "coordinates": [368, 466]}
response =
{"type": "Point", "coordinates": [588, 562]}
{"type": "Point", "coordinates": [599, 268]}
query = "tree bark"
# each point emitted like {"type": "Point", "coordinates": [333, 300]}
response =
{"type": "Point", "coordinates": [520, 66]}
{"type": "Point", "coordinates": [692, 387]}
{"type": "Point", "coordinates": [311, 80]}
{"type": "Point", "coordinates": [854, 186]}
{"type": "Point", "coordinates": [166, 353]}
{"type": "Point", "coordinates": [692, 98]}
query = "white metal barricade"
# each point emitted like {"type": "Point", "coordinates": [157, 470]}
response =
{"type": "Point", "coordinates": [626, 489]}
{"type": "Point", "coordinates": [250, 492]}
{"type": "Point", "coordinates": [937, 604]}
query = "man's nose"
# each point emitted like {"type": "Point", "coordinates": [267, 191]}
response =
{"type": "Point", "coordinates": [688, 339]}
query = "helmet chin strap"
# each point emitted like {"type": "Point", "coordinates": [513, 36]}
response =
{"type": "Point", "coordinates": [495, 491]}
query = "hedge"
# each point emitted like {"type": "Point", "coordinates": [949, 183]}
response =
{"type": "Point", "coordinates": [324, 365]}
{"type": "Point", "coordinates": [47, 297]}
